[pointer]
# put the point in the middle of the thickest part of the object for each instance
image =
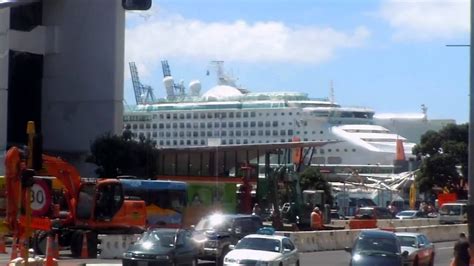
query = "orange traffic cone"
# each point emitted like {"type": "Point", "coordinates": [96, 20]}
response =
{"type": "Point", "coordinates": [3, 248]}
{"type": "Point", "coordinates": [14, 254]}
{"type": "Point", "coordinates": [56, 246]}
{"type": "Point", "coordinates": [84, 251]}
{"type": "Point", "coordinates": [50, 251]}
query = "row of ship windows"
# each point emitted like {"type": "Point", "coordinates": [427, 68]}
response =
{"type": "Point", "coordinates": [203, 115]}
{"type": "Point", "coordinates": [231, 133]}
{"type": "Point", "coordinates": [201, 125]}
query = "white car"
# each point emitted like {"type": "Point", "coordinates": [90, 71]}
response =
{"type": "Point", "coordinates": [263, 250]}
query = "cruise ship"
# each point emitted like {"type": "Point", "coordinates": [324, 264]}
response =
{"type": "Point", "coordinates": [229, 115]}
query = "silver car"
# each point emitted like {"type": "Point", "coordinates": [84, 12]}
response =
{"type": "Point", "coordinates": [420, 250]}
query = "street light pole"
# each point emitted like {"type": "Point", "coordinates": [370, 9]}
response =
{"type": "Point", "coordinates": [470, 220]}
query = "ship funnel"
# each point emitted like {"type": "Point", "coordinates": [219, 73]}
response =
{"type": "Point", "coordinates": [400, 163]}
{"type": "Point", "coordinates": [400, 156]}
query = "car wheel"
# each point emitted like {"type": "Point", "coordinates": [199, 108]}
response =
{"type": "Point", "coordinates": [297, 263]}
{"type": "Point", "coordinates": [220, 260]}
{"type": "Point", "coordinates": [431, 260]}
{"type": "Point", "coordinates": [415, 262]}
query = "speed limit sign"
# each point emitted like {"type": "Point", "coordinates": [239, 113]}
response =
{"type": "Point", "coordinates": [40, 198]}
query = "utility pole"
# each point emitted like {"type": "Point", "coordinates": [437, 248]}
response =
{"type": "Point", "coordinates": [470, 220]}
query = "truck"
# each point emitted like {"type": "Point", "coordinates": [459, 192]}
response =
{"type": "Point", "coordinates": [64, 204]}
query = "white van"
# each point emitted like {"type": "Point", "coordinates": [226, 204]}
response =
{"type": "Point", "coordinates": [453, 213]}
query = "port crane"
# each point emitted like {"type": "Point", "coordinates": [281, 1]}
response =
{"type": "Point", "coordinates": [143, 93]}
{"type": "Point", "coordinates": [179, 89]}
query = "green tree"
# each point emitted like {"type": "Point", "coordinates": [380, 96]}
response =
{"type": "Point", "coordinates": [445, 159]}
{"type": "Point", "coordinates": [119, 155]}
{"type": "Point", "coordinates": [311, 178]}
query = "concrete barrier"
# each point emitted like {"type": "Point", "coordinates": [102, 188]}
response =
{"type": "Point", "coordinates": [113, 246]}
{"type": "Point", "coordinates": [310, 241]}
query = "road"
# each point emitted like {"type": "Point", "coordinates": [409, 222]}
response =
{"type": "Point", "coordinates": [444, 253]}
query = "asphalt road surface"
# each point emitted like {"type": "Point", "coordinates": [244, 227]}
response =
{"type": "Point", "coordinates": [444, 251]}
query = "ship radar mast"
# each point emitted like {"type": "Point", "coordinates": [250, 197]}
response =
{"type": "Point", "coordinates": [222, 77]}
{"type": "Point", "coordinates": [331, 92]}
{"type": "Point", "coordinates": [424, 110]}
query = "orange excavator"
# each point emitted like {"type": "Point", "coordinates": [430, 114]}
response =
{"type": "Point", "coordinates": [63, 203]}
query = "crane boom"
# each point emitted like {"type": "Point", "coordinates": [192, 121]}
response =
{"type": "Point", "coordinates": [143, 93]}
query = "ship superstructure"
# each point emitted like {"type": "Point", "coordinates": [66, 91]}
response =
{"type": "Point", "coordinates": [229, 115]}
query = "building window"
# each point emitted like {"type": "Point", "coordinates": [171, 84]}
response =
{"type": "Point", "coordinates": [246, 114]}
{"type": "Point", "coordinates": [195, 116]}
{"type": "Point", "coordinates": [161, 143]}
{"type": "Point", "coordinates": [252, 124]}
{"type": "Point", "coordinates": [202, 125]}
{"type": "Point", "coordinates": [203, 115]}
{"type": "Point", "coordinates": [267, 123]}
{"type": "Point", "coordinates": [181, 125]}
{"type": "Point", "coordinates": [290, 132]}
{"type": "Point", "coordinates": [181, 133]}
{"type": "Point", "coordinates": [238, 114]}
{"type": "Point", "coordinates": [209, 124]}
{"type": "Point", "coordinates": [181, 116]}
{"type": "Point", "coordinates": [246, 124]}
{"type": "Point", "coordinates": [188, 142]}
{"type": "Point", "coordinates": [252, 132]}
{"type": "Point", "coordinates": [209, 133]}
{"type": "Point", "coordinates": [155, 126]}
{"type": "Point", "coordinates": [246, 141]}
{"type": "Point", "coordinates": [252, 114]}
{"type": "Point", "coordinates": [237, 141]}
{"type": "Point", "coordinates": [224, 133]}
{"type": "Point", "coordinates": [224, 124]}
{"type": "Point", "coordinates": [246, 133]}
{"type": "Point", "coordinates": [188, 116]}
{"type": "Point", "coordinates": [282, 132]}
{"type": "Point", "coordinates": [231, 115]}
{"type": "Point", "coordinates": [231, 124]}
{"type": "Point", "coordinates": [260, 123]}
{"type": "Point", "coordinates": [267, 133]}
{"type": "Point", "coordinates": [195, 125]}
{"type": "Point", "coordinates": [203, 142]}
{"type": "Point", "coordinates": [209, 115]}
{"type": "Point", "coordinates": [134, 126]}
{"type": "Point", "coordinates": [224, 142]}
{"type": "Point", "coordinates": [275, 132]}
{"type": "Point", "coordinates": [175, 125]}
{"type": "Point", "coordinates": [237, 124]}
{"type": "Point", "coordinates": [275, 123]}
{"type": "Point", "coordinates": [238, 133]}
{"type": "Point", "coordinates": [141, 126]}
{"type": "Point", "coordinates": [231, 141]}
{"type": "Point", "coordinates": [188, 125]}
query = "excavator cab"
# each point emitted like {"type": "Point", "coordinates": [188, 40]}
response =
{"type": "Point", "coordinates": [102, 204]}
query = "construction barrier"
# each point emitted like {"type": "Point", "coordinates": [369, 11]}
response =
{"type": "Point", "coordinates": [311, 241]}
{"type": "Point", "coordinates": [113, 246]}
{"type": "Point", "coordinates": [392, 222]}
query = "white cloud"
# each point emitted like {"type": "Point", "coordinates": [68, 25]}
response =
{"type": "Point", "coordinates": [426, 19]}
{"type": "Point", "coordinates": [161, 37]}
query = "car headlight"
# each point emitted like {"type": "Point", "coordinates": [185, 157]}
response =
{"type": "Point", "coordinates": [263, 263]}
{"type": "Point", "coordinates": [127, 254]}
{"type": "Point", "coordinates": [162, 257]}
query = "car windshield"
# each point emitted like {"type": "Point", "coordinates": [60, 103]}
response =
{"type": "Point", "coordinates": [214, 222]}
{"type": "Point", "coordinates": [407, 241]}
{"type": "Point", "coordinates": [158, 238]}
{"type": "Point", "coordinates": [255, 243]}
{"type": "Point", "coordinates": [407, 213]}
{"type": "Point", "coordinates": [450, 210]}
{"type": "Point", "coordinates": [376, 245]}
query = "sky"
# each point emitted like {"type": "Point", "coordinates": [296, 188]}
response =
{"type": "Point", "coordinates": [391, 56]}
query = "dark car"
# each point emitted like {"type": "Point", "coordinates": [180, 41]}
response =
{"type": "Point", "coordinates": [217, 232]}
{"type": "Point", "coordinates": [160, 246]}
{"type": "Point", "coordinates": [376, 247]}
{"type": "Point", "coordinates": [373, 212]}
